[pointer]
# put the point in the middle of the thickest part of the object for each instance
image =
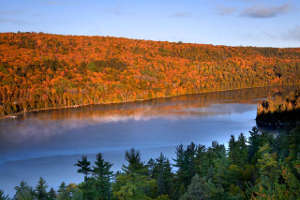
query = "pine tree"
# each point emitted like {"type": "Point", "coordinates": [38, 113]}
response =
{"type": "Point", "coordinates": [162, 172]}
{"type": "Point", "coordinates": [103, 174]}
{"type": "Point", "coordinates": [202, 163]}
{"type": "Point", "coordinates": [186, 163]}
{"type": "Point", "coordinates": [135, 165]}
{"type": "Point", "coordinates": [238, 150]}
{"type": "Point", "coordinates": [24, 192]}
{"type": "Point", "coordinates": [150, 165]}
{"type": "Point", "coordinates": [233, 150]}
{"type": "Point", "coordinates": [41, 190]}
{"type": "Point", "coordinates": [51, 194]}
{"type": "Point", "coordinates": [254, 144]}
{"type": "Point", "coordinates": [84, 166]}
{"type": "Point", "coordinates": [62, 193]}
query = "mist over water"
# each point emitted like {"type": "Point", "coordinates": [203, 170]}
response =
{"type": "Point", "coordinates": [47, 144]}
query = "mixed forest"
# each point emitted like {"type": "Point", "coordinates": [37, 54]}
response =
{"type": "Point", "coordinates": [263, 166]}
{"type": "Point", "coordinates": [43, 71]}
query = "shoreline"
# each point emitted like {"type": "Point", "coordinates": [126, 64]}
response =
{"type": "Point", "coordinates": [16, 115]}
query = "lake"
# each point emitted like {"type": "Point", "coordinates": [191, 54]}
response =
{"type": "Point", "coordinates": [47, 144]}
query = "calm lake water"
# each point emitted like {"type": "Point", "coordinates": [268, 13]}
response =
{"type": "Point", "coordinates": [47, 144]}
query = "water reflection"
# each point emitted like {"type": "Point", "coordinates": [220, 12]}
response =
{"type": "Point", "coordinates": [47, 144]}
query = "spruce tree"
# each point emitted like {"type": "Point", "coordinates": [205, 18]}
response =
{"type": "Point", "coordinates": [163, 175]}
{"type": "Point", "coordinates": [186, 163]}
{"type": "Point", "coordinates": [24, 192]}
{"type": "Point", "coordinates": [51, 194]}
{"type": "Point", "coordinates": [103, 175]}
{"type": "Point", "coordinates": [62, 193]}
{"type": "Point", "coordinates": [84, 166]}
{"type": "Point", "coordinates": [135, 164]}
{"type": "Point", "coordinates": [41, 190]}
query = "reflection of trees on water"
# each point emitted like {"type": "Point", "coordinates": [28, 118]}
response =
{"type": "Point", "coordinates": [43, 125]}
{"type": "Point", "coordinates": [166, 107]}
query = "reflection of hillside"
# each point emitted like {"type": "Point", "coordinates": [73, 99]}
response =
{"type": "Point", "coordinates": [49, 123]}
{"type": "Point", "coordinates": [34, 128]}
{"type": "Point", "coordinates": [182, 106]}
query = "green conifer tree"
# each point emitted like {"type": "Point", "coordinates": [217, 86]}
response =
{"type": "Point", "coordinates": [103, 175]}
{"type": "Point", "coordinates": [41, 190]}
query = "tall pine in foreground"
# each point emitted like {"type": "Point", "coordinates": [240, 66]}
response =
{"type": "Point", "coordinates": [41, 190]}
{"type": "Point", "coordinates": [162, 173]}
{"type": "Point", "coordinates": [103, 175]}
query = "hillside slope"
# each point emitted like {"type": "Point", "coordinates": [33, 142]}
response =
{"type": "Point", "coordinates": [42, 71]}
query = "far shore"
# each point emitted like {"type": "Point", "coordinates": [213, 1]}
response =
{"type": "Point", "coordinates": [16, 115]}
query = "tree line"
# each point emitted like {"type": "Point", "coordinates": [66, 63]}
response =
{"type": "Point", "coordinates": [262, 166]}
{"type": "Point", "coordinates": [43, 71]}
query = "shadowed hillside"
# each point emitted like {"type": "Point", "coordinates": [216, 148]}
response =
{"type": "Point", "coordinates": [43, 71]}
{"type": "Point", "coordinates": [279, 111]}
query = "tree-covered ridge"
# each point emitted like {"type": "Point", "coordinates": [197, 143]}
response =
{"type": "Point", "coordinates": [281, 110]}
{"type": "Point", "coordinates": [263, 166]}
{"type": "Point", "coordinates": [42, 71]}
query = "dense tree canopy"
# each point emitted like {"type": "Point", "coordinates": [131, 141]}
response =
{"type": "Point", "coordinates": [44, 71]}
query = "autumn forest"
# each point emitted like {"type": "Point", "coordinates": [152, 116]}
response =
{"type": "Point", "coordinates": [42, 71]}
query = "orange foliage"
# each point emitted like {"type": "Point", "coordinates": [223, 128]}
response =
{"type": "Point", "coordinates": [41, 71]}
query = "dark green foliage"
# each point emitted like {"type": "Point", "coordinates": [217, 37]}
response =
{"type": "Point", "coordinates": [62, 192]}
{"type": "Point", "coordinates": [84, 166]}
{"type": "Point", "coordinates": [24, 192]}
{"type": "Point", "coordinates": [88, 186]}
{"type": "Point", "coordinates": [238, 151]}
{"type": "Point", "coordinates": [200, 188]}
{"type": "Point", "coordinates": [135, 164]}
{"type": "Point", "coordinates": [51, 194]}
{"type": "Point", "coordinates": [195, 190]}
{"type": "Point", "coordinates": [134, 186]}
{"type": "Point", "coordinates": [3, 196]}
{"type": "Point", "coordinates": [161, 171]}
{"type": "Point", "coordinates": [185, 162]}
{"type": "Point", "coordinates": [134, 181]}
{"type": "Point", "coordinates": [103, 175]}
{"type": "Point", "coordinates": [264, 166]}
{"type": "Point", "coordinates": [41, 190]}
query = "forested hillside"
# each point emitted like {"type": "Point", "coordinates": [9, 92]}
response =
{"type": "Point", "coordinates": [42, 71]}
